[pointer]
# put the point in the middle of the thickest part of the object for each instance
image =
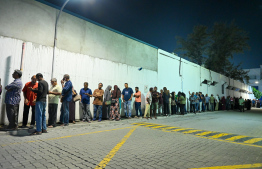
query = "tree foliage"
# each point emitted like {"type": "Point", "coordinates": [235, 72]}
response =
{"type": "Point", "coordinates": [195, 45]}
{"type": "Point", "coordinates": [257, 93]}
{"type": "Point", "coordinates": [216, 47]}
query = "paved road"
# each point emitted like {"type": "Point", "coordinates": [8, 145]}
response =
{"type": "Point", "coordinates": [224, 138]}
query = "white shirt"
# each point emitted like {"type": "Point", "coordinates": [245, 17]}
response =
{"type": "Point", "coordinates": [148, 96]}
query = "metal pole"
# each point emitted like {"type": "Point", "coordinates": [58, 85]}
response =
{"type": "Point", "coordinates": [57, 18]}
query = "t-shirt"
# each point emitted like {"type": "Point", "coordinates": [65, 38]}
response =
{"type": "Point", "coordinates": [207, 99]}
{"type": "Point", "coordinates": [154, 97]}
{"type": "Point", "coordinates": [148, 96]}
{"type": "Point", "coordinates": [54, 99]}
{"type": "Point", "coordinates": [127, 92]}
{"type": "Point", "coordinates": [160, 98]}
{"type": "Point", "coordinates": [98, 100]}
{"type": "Point", "coordinates": [30, 95]}
{"type": "Point", "coordinates": [212, 99]}
{"type": "Point", "coordinates": [197, 98]}
{"type": "Point", "coordinates": [42, 91]}
{"type": "Point", "coordinates": [138, 99]}
{"type": "Point", "coordinates": [85, 98]}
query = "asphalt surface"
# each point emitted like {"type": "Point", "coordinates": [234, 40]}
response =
{"type": "Point", "coordinates": [230, 139]}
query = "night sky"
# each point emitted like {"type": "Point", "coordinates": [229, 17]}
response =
{"type": "Point", "coordinates": [158, 22]}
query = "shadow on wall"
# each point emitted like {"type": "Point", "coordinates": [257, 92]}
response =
{"type": "Point", "coordinates": [7, 76]}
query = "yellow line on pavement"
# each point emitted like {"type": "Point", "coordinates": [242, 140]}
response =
{"type": "Point", "coordinates": [62, 137]}
{"type": "Point", "coordinates": [180, 129]}
{"type": "Point", "coordinates": [157, 127]}
{"type": "Point", "coordinates": [253, 140]}
{"type": "Point", "coordinates": [235, 138]}
{"type": "Point", "coordinates": [256, 165]}
{"type": "Point", "coordinates": [191, 131]}
{"type": "Point", "coordinates": [220, 135]}
{"type": "Point", "coordinates": [204, 133]}
{"type": "Point", "coordinates": [112, 153]}
{"type": "Point", "coordinates": [166, 128]}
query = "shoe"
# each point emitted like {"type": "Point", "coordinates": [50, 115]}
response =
{"type": "Point", "coordinates": [36, 133]}
{"type": "Point", "coordinates": [83, 120]}
{"type": "Point", "coordinates": [135, 117]}
{"type": "Point", "coordinates": [50, 126]}
{"type": "Point", "coordinates": [31, 126]}
{"type": "Point", "coordinates": [44, 131]}
{"type": "Point", "coordinates": [23, 126]}
{"type": "Point", "coordinates": [67, 124]}
{"type": "Point", "coordinates": [74, 122]}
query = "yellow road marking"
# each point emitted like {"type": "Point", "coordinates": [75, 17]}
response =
{"type": "Point", "coordinates": [112, 153]}
{"type": "Point", "coordinates": [256, 165]}
{"type": "Point", "coordinates": [191, 131]}
{"type": "Point", "coordinates": [157, 127]}
{"type": "Point", "coordinates": [254, 140]}
{"type": "Point", "coordinates": [166, 128]}
{"type": "Point", "coordinates": [204, 133]}
{"type": "Point", "coordinates": [235, 138]}
{"type": "Point", "coordinates": [219, 135]}
{"type": "Point", "coordinates": [179, 129]}
{"type": "Point", "coordinates": [62, 137]}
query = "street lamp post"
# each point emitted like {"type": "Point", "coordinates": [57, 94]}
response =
{"type": "Point", "coordinates": [55, 39]}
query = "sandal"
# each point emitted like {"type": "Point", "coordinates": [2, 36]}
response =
{"type": "Point", "coordinates": [36, 133]}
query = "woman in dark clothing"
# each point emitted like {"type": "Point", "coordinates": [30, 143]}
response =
{"type": "Point", "coordinates": [223, 102]}
{"type": "Point", "coordinates": [166, 96]}
{"type": "Point", "coordinates": [173, 103]}
{"type": "Point", "coordinates": [72, 108]}
{"type": "Point", "coordinates": [115, 111]}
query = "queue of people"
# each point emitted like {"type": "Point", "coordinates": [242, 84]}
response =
{"type": "Point", "coordinates": [162, 103]}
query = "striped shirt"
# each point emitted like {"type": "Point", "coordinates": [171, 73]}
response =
{"type": "Point", "coordinates": [13, 92]}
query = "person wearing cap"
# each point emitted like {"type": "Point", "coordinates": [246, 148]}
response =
{"type": "Point", "coordinates": [12, 99]}
{"type": "Point", "coordinates": [53, 99]}
{"type": "Point", "coordinates": [29, 101]}
{"type": "Point", "coordinates": [40, 106]}
{"type": "Point", "coordinates": [65, 99]}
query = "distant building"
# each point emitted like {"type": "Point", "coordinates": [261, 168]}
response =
{"type": "Point", "coordinates": [255, 76]}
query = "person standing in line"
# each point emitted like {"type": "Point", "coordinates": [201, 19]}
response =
{"type": "Point", "coordinates": [115, 106]}
{"type": "Point", "coordinates": [98, 102]}
{"type": "Point", "coordinates": [207, 102]}
{"type": "Point", "coordinates": [12, 99]}
{"type": "Point", "coordinates": [29, 101]}
{"type": "Point", "coordinates": [182, 100]}
{"type": "Point", "coordinates": [166, 96]}
{"type": "Point", "coordinates": [169, 103]}
{"type": "Point", "coordinates": [223, 102]}
{"type": "Point", "coordinates": [65, 99]}
{"type": "Point", "coordinates": [85, 94]}
{"type": "Point", "coordinates": [173, 103]}
{"type": "Point", "coordinates": [160, 103]}
{"type": "Point", "coordinates": [200, 102]}
{"type": "Point", "coordinates": [148, 102]}
{"type": "Point", "coordinates": [53, 99]}
{"type": "Point", "coordinates": [127, 95]}
{"type": "Point", "coordinates": [137, 96]}
{"type": "Point", "coordinates": [217, 102]}
{"type": "Point", "coordinates": [155, 96]}
{"type": "Point", "coordinates": [192, 100]}
{"type": "Point", "coordinates": [228, 103]}
{"type": "Point", "coordinates": [107, 100]}
{"type": "Point", "coordinates": [241, 104]}
{"type": "Point", "coordinates": [212, 102]}
{"type": "Point", "coordinates": [40, 106]}
{"type": "Point", "coordinates": [197, 102]}
{"type": "Point", "coordinates": [203, 102]}
{"type": "Point", "coordinates": [72, 107]}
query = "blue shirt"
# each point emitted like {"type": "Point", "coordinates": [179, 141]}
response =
{"type": "Point", "coordinates": [13, 94]}
{"type": "Point", "coordinates": [200, 100]}
{"type": "Point", "coordinates": [127, 92]}
{"type": "Point", "coordinates": [85, 98]}
{"type": "Point", "coordinates": [207, 99]}
{"type": "Point", "coordinates": [67, 91]}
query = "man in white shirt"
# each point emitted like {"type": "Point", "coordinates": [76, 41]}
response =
{"type": "Point", "coordinates": [148, 102]}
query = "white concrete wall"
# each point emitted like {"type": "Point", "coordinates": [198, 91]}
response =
{"type": "Point", "coordinates": [192, 76]}
{"type": "Point", "coordinates": [32, 21]}
{"type": "Point", "coordinates": [81, 68]}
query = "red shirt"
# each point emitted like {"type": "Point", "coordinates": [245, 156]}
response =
{"type": "Point", "coordinates": [31, 96]}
